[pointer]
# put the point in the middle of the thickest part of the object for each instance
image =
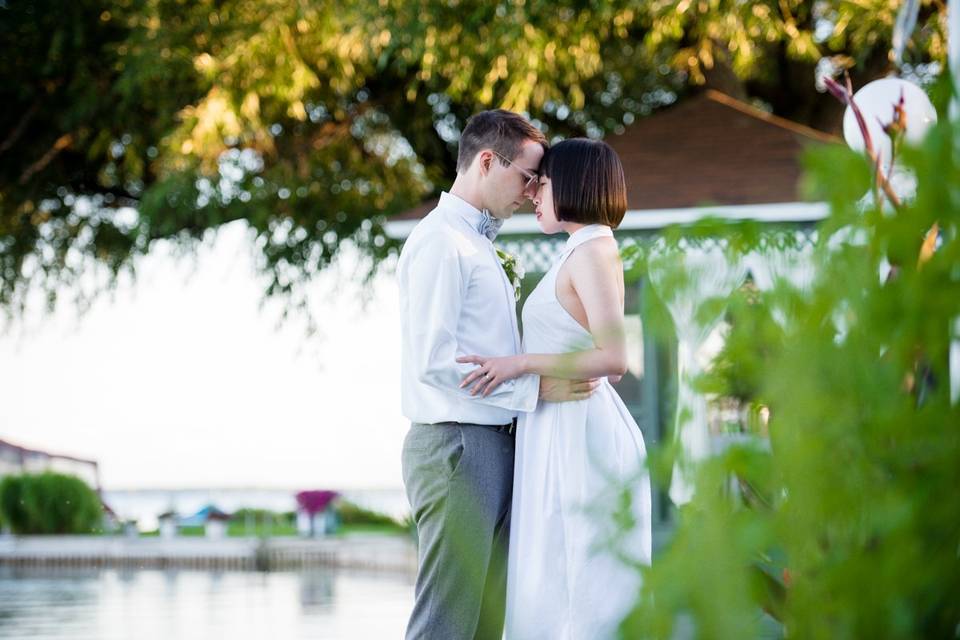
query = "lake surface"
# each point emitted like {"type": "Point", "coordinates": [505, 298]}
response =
{"type": "Point", "coordinates": [115, 604]}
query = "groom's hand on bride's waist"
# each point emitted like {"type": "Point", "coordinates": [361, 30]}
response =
{"type": "Point", "coordinates": [560, 390]}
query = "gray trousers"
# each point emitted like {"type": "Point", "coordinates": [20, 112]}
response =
{"type": "Point", "coordinates": [459, 481]}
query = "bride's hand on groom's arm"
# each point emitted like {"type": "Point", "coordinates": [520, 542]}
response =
{"type": "Point", "coordinates": [563, 390]}
{"type": "Point", "coordinates": [491, 372]}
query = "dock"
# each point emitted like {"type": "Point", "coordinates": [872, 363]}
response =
{"type": "Point", "coordinates": [359, 551]}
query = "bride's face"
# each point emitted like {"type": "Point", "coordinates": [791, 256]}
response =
{"type": "Point", "coordinates": [546, 214]}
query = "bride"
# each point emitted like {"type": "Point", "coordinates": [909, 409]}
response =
{"type": "Point", "coordinates": [569, 573]}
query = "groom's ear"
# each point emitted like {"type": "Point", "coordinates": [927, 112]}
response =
{"type": "Point", "coordinates": [484, 158]}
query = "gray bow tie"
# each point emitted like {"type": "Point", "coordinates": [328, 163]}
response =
{"type": "Point", "coordinates": [490, 225]}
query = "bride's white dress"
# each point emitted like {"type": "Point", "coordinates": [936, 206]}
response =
{"type": "Point", "coordinates": [572, 461]}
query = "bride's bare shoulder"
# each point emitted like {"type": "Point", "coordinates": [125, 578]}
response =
{"type": "Point", "coordinates": [598, 252]}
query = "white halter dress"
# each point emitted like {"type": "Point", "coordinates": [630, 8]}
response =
{"type": "Point", "coordinates": [572, 461]}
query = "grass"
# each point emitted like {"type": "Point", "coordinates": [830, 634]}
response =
{"type": "Point", "coordinates": [391, 529]}
{"type": "Point", "coordinates": [261, 529]}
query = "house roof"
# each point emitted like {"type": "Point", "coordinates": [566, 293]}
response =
{"type": "Point", "coordinates": [712, 149]}
{"type": "Point", "coordinates": [24, 452]}
{"type": "Point", "coordinates": [708, 149]}
{"type": "Point", "coordinates": [204, 515]}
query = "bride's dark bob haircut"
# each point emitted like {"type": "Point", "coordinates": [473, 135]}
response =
{"type": "Point", "coordinates": [588, 183]}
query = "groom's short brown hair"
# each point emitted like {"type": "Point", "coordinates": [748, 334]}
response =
{"type": "Point", "coordinates": [588, 182]}
{"type": "Point", "coordinates": [497, 129]}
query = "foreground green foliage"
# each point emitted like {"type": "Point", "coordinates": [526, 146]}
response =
{"type": "Point", "coordinates": [836, 515]}
{"type": "Point", "coordinates": [49, 503]}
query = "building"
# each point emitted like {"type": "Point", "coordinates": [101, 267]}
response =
{"type": "Point", "coordinates": [15, 459]}
{"type": "Point", "coordinates": [167, 524]}
{"type": "Point", "coordinates": [315, 514]}
{"type": "Point", "coordinates": [213, 520]}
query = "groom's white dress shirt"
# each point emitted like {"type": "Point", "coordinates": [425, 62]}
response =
{"type": "Point", "coordinates": [456, 300]}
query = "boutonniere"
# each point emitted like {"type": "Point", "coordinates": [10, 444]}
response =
{"type": "Point", "coordinates": [513, 269]}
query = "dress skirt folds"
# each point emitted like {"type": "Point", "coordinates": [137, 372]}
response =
{"type": "Point", "coordinates": [570, 573]}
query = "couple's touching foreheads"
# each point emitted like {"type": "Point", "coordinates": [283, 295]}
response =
{"type": "Point", "coordinates": [516, 444]}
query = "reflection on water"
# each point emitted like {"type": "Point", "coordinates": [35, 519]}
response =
{"type": "Point", "coordinates": [110, 604]}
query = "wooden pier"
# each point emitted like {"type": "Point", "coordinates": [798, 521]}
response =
{"type": "Point", "coordinates": [375, 552]}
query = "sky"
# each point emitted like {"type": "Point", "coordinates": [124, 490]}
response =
{"type": "Point", "coordinates": [182, 380]}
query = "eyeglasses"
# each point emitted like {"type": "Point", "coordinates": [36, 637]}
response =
{"type": "Point", "coordinates": [532, 178]}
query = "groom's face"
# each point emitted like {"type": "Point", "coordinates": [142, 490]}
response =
{"type": "Point", "coordinates": [509, 186]}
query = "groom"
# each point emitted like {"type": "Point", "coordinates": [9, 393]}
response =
{"type": "Point", "coordinates": [455, 300]}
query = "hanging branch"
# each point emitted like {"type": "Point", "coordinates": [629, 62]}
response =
{"type": "Point", "coordinates": [881, 182]}
{"type": "Point", "coordinates": [20, 128]}
{"type": "Point", "coordinates": [62, 143]}
{"type": "Point", "coordinates": [895, 130]}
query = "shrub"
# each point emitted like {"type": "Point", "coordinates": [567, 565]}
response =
{"type": "Point", "coordinates": [843, 523]}
{"type": "Point", "coordinates": [351, 514]}
{"type": "Point", "coordinates": [49, 503]}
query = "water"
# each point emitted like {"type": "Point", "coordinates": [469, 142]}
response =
{"type": "Point", "coordinates": [116, 604]}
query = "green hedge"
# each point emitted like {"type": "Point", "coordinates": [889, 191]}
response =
{"type": "Point", "coordinates": [49, 503]}
{"type": "Point", "coordinates": [349, 513]}
{"type": "Point", "coordinates": [262, 523]}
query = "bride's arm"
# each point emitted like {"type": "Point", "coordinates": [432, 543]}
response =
{"type": "Point", "coordinates": [596, 274]}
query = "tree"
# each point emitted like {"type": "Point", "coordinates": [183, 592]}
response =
{"type": "Point", "coordinates": [134, 121]}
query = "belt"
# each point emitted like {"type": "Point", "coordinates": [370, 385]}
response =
{"type": "Point", "coordinates": [509, 429]}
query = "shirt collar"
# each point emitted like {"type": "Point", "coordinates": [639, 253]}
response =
{"type": "Point", "coordinates": [480, 221]}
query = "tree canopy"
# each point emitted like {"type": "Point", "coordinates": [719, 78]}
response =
{"type": "Point", "coordinates": [133, 121]}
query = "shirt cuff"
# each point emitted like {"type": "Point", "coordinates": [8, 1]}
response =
{"type": "Point", "coordinates": [526, 392]}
